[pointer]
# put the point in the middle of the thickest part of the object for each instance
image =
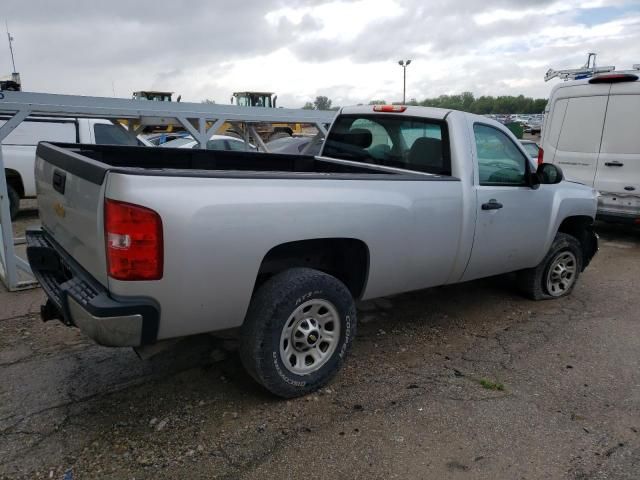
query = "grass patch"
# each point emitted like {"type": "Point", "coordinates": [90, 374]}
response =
{"type": "Point", "coordinates": [489, 385]}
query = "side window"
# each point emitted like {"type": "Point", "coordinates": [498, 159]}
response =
{"type": "Point", "coordinates": [500, 162]}
{"type": "Point", "coordinates": [238, 146]}
{"type": "Point", "coordinates": [582, 127]}
{"type": "Point", "coordinates": [107, 134]}
{"type": "Point", "coordinates": [621, 128]}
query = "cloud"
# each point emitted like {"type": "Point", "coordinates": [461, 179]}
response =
{"type": "Point", "coordinates": [346, 50]}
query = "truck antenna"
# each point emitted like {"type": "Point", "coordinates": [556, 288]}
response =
{"type": "Point", "coordinates": [10, 38]}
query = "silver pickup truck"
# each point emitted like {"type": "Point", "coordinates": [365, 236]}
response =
{"type": "Point", "coordinates": [139, 244]}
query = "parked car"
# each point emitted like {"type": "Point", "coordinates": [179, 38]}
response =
{"type": "Point", "coordinates": [217, 142]}
{"type": "Point", "coordinates": [279, 247]}
{"type": "Point", "coordinates": [294, 145]}
{"type": "Point", "coordinates": [19, 148]}
{"type": "Point", "coordinates": [591, 132]}
{"type": "Point", "coordinates": [160, 138]}
{"type": "Point", "coordinates": [533, 126]}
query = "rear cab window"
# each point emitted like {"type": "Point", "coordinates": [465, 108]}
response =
{"type": "Point", "coordinates": [410, 143]}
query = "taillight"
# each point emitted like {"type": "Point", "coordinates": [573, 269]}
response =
{"type": "Point", "coordinates": [540, 156]}
{"type": "Point", "coordinates": [390, 108]}
{"type": "Point", "coordinates": [133, 236]}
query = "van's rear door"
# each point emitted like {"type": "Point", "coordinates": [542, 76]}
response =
{"type": "Point", "coordinates": [618, 173]}
{"type": "Point", "coordinates": [579, 137]}
{"type": "Point", "coordinates": [70, 200]}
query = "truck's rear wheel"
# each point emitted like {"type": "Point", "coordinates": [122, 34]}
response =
{"type": "Point", "coordinates": [298, 330]}
{"type": "Point", "coordinates": [14, 202]}
{"type": "Point", "coordinates": [557, 273]}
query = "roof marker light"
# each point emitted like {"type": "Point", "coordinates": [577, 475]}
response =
{"type": "Point", "coordinates": [390, 108]}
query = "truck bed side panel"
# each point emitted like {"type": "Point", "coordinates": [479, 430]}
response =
{"type": "Point", "coordinates": [218, 230]}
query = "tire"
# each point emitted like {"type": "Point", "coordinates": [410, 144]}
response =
{"type": "Point", "coordinates": [270, 331]}
{"type": "Point", "coordinates": [14, 202]}
{"type": "Point", "coordinates": [557, 274]}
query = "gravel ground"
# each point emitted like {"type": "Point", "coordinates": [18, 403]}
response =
{"type": "Point", "coordinates": [467, 381]}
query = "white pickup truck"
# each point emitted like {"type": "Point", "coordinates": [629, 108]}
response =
{"type": "Point", "coordinates": [19, 147]}
{"type": "Point", "coordinates": [139, 244]}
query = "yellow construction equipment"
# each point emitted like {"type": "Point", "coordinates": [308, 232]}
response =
{"type": "Point", "coordinates": [267, 131]}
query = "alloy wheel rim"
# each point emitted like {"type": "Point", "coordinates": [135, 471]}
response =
{"type": "Point", "coordinates": [562, 274]}
{"type": "Point", "coordinates": [310, 336]}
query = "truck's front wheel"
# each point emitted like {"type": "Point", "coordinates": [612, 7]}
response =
{"type": "Point", "coordinates": [557, 273]}
{"type": "Point", "coordinates": [297, 332]}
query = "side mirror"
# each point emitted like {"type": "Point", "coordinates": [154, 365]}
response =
{"type": "Point", "coordinates": [549, 174]}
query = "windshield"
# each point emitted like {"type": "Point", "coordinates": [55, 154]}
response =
{"type": "Point", "coordinates": [402, 142]}
{"type": "Point", "coordinates": [177, 143]}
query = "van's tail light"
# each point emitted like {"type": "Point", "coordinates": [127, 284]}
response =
{"type": "Point", "coordinates": [133, 236]}
{"type": "Point", "coordinates": [540, 156]}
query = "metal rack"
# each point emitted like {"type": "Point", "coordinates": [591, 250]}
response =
{"type": "Point", "coordinates": [588, 70]}
{"type": "Point", "coordinates": [199, 119]}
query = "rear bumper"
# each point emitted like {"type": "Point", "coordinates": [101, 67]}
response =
{"type": "Point", "coordinates": [616, 217]}
{"type": "Point", "coordinates": [619, 208]}
{"type": "Point", "coordinates": [77, 299]}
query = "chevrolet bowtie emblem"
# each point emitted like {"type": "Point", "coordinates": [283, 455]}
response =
{"type": "Point", "coordinates": [59, 209]}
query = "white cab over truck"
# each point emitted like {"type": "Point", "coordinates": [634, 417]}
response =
{"type": "Point", "coordinates": [139, 245]}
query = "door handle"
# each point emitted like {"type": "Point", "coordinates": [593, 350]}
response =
{"type": "Point", "coordinates": [492, 205]}
{"type": "Point", "coordinates": [614, 164]}
{"type": "Point", "coordinates": [59, 181]}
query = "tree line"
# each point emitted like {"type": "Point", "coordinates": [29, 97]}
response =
{"type": "Point", "coordinates": [465, 101]}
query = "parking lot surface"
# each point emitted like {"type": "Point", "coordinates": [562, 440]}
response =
{"type": "Point", "coordinates": [468, 381]}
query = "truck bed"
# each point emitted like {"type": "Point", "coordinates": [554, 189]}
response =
{"type": "Point", "coordinates": [223, 212]}
{"type": "Point", "coordinates": [92, 162]}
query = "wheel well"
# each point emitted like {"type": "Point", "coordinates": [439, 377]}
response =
{"type": "Point", "coordinates": [580, 228]}
{"type": "Point", "coordinates": [15, 180]}
{"type": "Point", "coordinates": [347, 259]}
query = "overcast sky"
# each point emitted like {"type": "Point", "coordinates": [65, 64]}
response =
{"type": "Point", "coordinates": [347, 50]}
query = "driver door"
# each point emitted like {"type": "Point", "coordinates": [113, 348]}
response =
{"type": "Point", "coordinates": [512, 219]}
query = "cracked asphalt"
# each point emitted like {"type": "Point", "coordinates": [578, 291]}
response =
{"type": "Point", "coordinates": [465, 382]}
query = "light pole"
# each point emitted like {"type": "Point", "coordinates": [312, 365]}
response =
{"type": "Point", "coordinates": [404, 64]}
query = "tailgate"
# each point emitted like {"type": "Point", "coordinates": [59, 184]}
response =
{"type": "Point", "coordinates": [70, 200]}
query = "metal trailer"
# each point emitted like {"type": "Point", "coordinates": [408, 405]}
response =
{"type": "Point", "coordinates": [200, 119]}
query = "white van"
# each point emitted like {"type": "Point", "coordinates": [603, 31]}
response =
{"type": "Point", "coordinates": [19, 147]}
{"type": "Point", "coordinates": [592, 131]}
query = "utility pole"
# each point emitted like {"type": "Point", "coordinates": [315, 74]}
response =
{"type": "Point", "coordinates": [404, 64]}
{"type": "Point", "coordinates": [10, 38]}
